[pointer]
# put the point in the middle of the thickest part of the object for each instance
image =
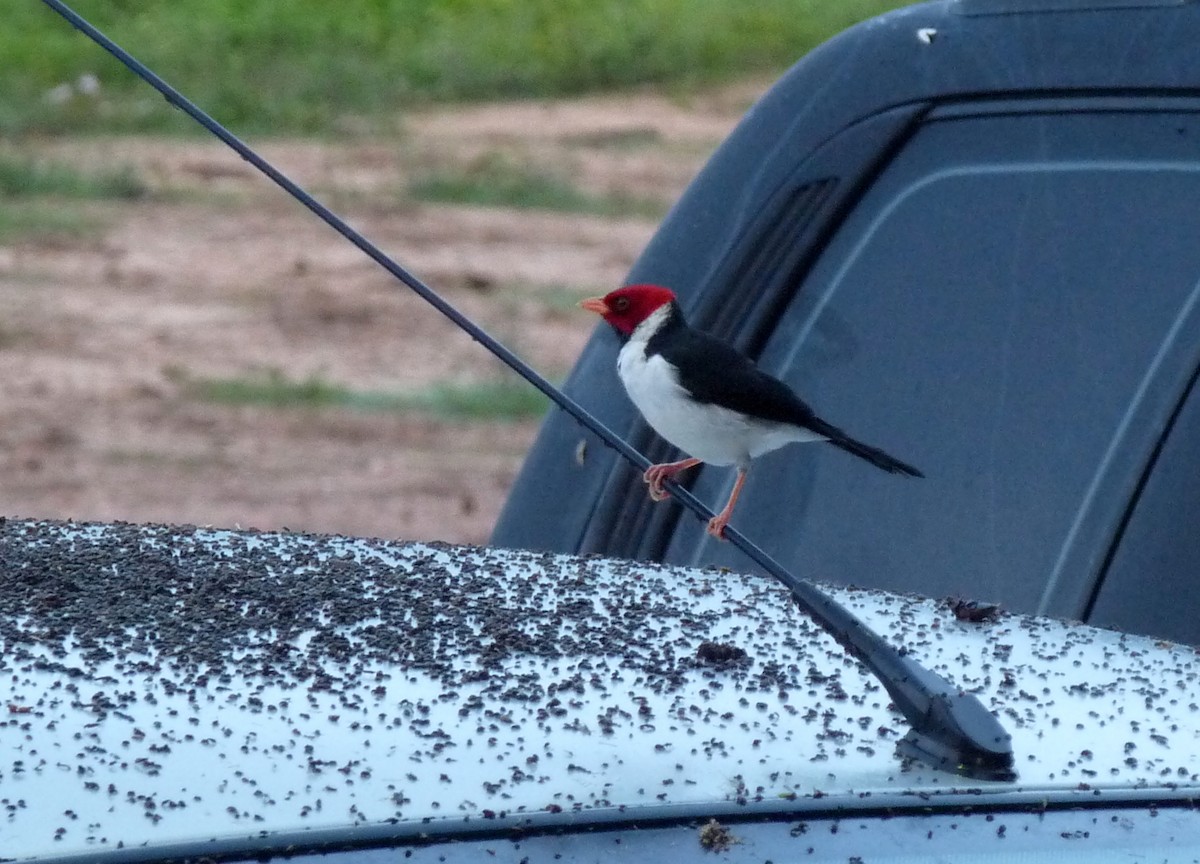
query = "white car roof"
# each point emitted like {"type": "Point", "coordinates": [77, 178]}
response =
{"type": "Point", "coordinates": [171, 684]}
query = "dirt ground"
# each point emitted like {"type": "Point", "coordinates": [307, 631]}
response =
{"type": "Point", "coordinates": [217, 275]}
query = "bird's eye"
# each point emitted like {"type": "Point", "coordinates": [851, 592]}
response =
{"type": "Point", "coordinates": [621, 304]}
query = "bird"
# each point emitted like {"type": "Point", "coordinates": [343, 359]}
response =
{"type": "Point", "coordinates": [707, 398]}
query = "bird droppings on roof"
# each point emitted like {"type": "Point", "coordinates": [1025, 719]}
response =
{"type": "Point", "coordinates": [177, 682]}
{"type": "Point", "coordinates": [973, 610]}
{"type": "Point", "coordinates": [720, 654]}
{"type": "Point", "coordinates": [716, 837]}
{"type": "Point", "coordinates": [305, 610]}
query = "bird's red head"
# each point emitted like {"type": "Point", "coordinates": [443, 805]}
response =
{"type": "Point", "coordinates": [628, 307]}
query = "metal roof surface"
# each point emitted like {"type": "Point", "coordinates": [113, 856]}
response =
{"type": "Point", "coordinates": [170, 683]}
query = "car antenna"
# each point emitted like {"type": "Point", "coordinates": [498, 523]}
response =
{"type": "Point", "coordinates": [950, 728]}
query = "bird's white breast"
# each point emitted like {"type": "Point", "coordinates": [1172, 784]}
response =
{"type": "Point", "coordinates": [710, 433]}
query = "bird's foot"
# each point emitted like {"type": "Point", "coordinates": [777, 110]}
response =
{"type": "Point", "coordinates": [656, 475]}
{"type": "Point", "coordinates": [716, 526]}
{"type": "Point", "coordinates": [654, 478]}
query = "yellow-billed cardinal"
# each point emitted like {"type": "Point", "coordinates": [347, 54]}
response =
{"type": "Point", "coordinates": [706, 398]}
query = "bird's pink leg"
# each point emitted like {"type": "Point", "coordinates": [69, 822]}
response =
{"type": "Point", "coordinates": [656, 474]}
{"type": "Point", "coordinates": [716, 525]}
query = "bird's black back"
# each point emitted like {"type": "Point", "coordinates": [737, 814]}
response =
{"type": "Point", "coordinates": [712, 371]}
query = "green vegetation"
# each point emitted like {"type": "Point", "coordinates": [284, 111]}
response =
{"type": "Point", "coordinates": [619, 139]}
{"type": "Point", "coordinates": [505, 399]}
{"type": "Point", "coordinates": [33, 191]}
{"type": "Point", "coordinates": [307, 65]}
{"type": "Point", "coordinates": [28, 221]}
{"type": "Point", "coordinates": [24, 177]}
{"type": "Point", "coordinates": [499, 181]}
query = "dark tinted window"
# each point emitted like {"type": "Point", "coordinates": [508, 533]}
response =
{"type": "Point", "coordinates": [1151, 585]}
{"type": "Point", "coordinates": [1008, 308]}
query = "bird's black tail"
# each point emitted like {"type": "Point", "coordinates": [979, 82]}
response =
{"type": "Point", "coordinates": [874, 455]}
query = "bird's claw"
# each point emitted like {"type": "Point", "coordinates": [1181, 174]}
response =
{"type": "Point", "coordinates": [656, 475]}
{"type": "Point", "coordinates": [716, 527]}
{"type": "Point", "coordinates": [654, 480]}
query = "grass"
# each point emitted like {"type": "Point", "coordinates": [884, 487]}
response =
{"type": "Point", "coordinates": [497, 180]}
{"type": "Point", "coordinates": [22, 221]}
{"type": "Point", "coordinates": [25, 177]}
{"type": "Point", "coordinates": [311, 65]}
{"type": "Point", "coordinates": [31, 187]}
{"type": "Point", "coordinates": [619, 139]}
{"type": "Point", "coordinates": [501, 399]}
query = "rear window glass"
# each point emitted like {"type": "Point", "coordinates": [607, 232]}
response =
{"type": "Point", "coordinates": [1009, 297]}
{"type": "Point", "coordinates": [1151, 584]}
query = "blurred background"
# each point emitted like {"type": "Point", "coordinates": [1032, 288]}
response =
{"type": "Point", "coordinates": [181, 342]}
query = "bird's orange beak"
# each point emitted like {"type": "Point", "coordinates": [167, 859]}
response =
{"type": "Point", "coordinates": [595, 304]}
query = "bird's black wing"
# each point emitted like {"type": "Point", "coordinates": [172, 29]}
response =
{"type": "Point", "coordinates": [712, 371]}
